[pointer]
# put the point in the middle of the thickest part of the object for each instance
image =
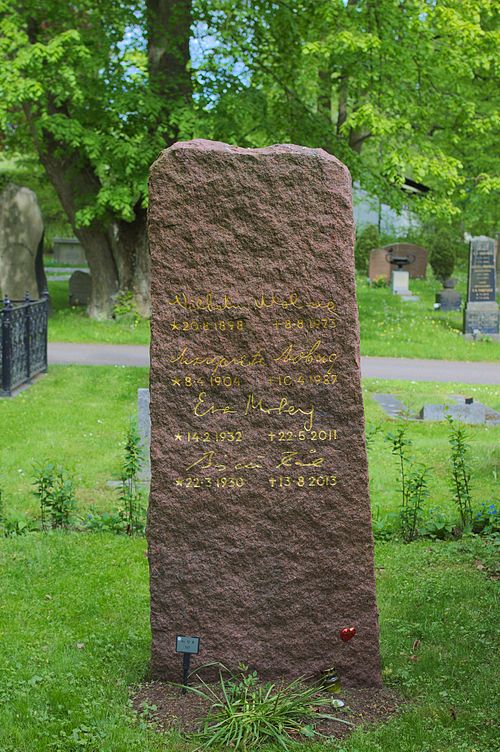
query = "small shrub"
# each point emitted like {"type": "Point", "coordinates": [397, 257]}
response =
{"type": "Point", "coordinates": [104, 522]}
{"type": "Point", "coordinates": [14, 525]}
{"type": "Point", "coordinates": [367, 239]}
{"type": "Point", "coordinates": [125, 308]}
{"type": "Point", "coordinates": [436, 526]}
{"type": "Point", "coordinates": [487, 520]}
{"type": "Point", "coordinates": [55, 492]}
{"type": "Point", "coordinates": [442, 244]}
{"type": "Point", "coordinates": [246, 714]}
{"type": "Point", "coordinates": [132, 509]}
{"type": "Point", "coordinates": [460, 472]}
{"type": "Point", "coordinates": [413, 481]}
{"type": "Point", "coordinates": [385, 527]}
{"type": "Point", "coordinates": [379, 282]}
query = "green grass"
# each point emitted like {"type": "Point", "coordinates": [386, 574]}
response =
{"type": "Point", "coordinates": [393, 328]}
{"type": "Point", "coordinates": [75, 416]}
{"type": "Point", "coordinates": [389, 327]}
{"type": "Point", "coordinates": [430, 444]}
{"type": "Point", "coordinates": [68, 324]}
{"type": "Point", "coordinates": [76, 637]}
{"type": "Point", "coordinates": [78, 416]}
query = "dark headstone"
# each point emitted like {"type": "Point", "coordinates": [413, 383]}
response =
{"type": "Point", "coordinates": [481, 312]}
{"type": "Point", "coordinates": [449, 299]}
{"type": "Point", "coordinates": [80, 288]}
{"type": "Point", "coordinates": [21, 244]}
{"type": "Point", "coordinates": [259, 529]}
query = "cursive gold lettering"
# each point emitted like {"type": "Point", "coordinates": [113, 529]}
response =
{"type": "Point", "coordinates": [200, 410]}
{"type": "Point", "coordinates": [217, 361]}
{"type": "Point", "coordinates": [289, 459]}
{"type": "Point", "coordinates": [283, 407]}
{"type": "Point", "coordinates": [311, 356]}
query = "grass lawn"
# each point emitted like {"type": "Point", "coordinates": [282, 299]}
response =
{"type": "Point", "coordinates": [389, 327]}
{"type": "Point", "coordinates": [78, 416]}
{"type": "Point", "coordinates": [68, 324]}
{"type": "Point", "coordinates": [74, 613]}
{"type": "Point", "coordinates": [393, 328]}
{"type": "Point", "coordinates": [76, 638]}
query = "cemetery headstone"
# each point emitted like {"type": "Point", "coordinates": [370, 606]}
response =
{"type": "Point", "coordinates": [68, 251]}
{"type": "Point", "coordinates": [481, 311]}
{"type": "Point", "coordinates": [379, 266]}
{"type": "Point", "coordinates": [144, 429]}
{"type": "Point", "coordinates": [449, 299]}
{"type": "Point", "coordinates": [21, 244]}
{"type": "Point", "coordinates": [259, 528]}
{"type": "Point", "coordinates": [79, 288]}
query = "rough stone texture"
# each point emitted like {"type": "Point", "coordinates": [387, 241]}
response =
{"type": "Point", "coordinates": [380, 267]}
{"type": "Point", "coordinates": [80, 288]}
{"type": "Point", "coordinates": [144, 429]}
{"type": "Point", "coordinates": [481, 315]}
{"type": "Point", "coordinates": [68, 251]}
{"type": "Point", "coordinates": [21, 244]}
{"type": "Point", "coordinates": [265, 575]}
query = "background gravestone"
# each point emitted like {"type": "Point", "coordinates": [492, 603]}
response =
{"type": "Point", "coordinates": [144, 430]}
{"type": "Point", "coordinates": [481, 311]}
{"type": "Point", "coordinates": [378, 265]}
{"type": "Point", "coordinates": [79, 288]}
{"type": "Point", "coordinates": [259, 528]}
{"type": "Point", "coordinates": [21, 244]}
{"type": "Point", "coordinates": [68, 251]}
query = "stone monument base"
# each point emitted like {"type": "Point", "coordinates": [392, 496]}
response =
{"type": "Point", "coordinates": [481, 320]}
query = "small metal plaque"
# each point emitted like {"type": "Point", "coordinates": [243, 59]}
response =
{"type": "Point", "coordinates": [187, 644]}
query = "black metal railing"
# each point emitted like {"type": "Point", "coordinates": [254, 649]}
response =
{"type": "Point", "coordinates": [23, 341]}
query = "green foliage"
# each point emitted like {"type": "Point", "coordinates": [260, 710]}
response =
{"type": "Point", "coordinates": [132, 509]}
{"type": "Point", "coordinates": [55, 492]}
{"type": "Point", "coordinates": [247, 715]}
{"type": "Point", "coordinates": [413, 483]}
{"type": "Point", "coordinates": [125, 308]}
{"type": "Point", "coordinates": [379, 282]}
{"type": "Point", "coordinates": [104, 522]}
{"type": "Point", "coordinates": [395, 90]}
{"type": "Point", "coordinates": [460, 472]}
{"type": "Point", "coordinates": [443, 241]}
{"type": "Point", "coordinates": [367, 239]}
{"type": "Point", "coordinates": [487, 520]}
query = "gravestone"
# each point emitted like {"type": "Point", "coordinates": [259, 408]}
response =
{"type": "Point", "coordinates": [259, 528]}
{"type": "Point", "coordinates": [144, 430]}
{"type": "Point", "coordinates": [449, 299]}
{"type": "Point", "coordinates": [379, 267]}
{"type": "Point", "coordinates": [68, 251]}
{"type": "Point", "coordinates": [79, 288]}
{"type": "Point", "coordinates": [481, 311]}
{"type": "Point", "coordinates": [21, 244]}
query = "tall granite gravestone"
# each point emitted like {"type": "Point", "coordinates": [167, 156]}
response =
{"type": "Point", "coordinates": [259, 526]}
{"type": "Point", "coordinates": [21, 244]}
{"type": "Point", "coordinates": [481, 311]}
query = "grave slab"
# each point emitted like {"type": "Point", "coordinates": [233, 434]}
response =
{"type": "Point", "coordinates": [259, 528]}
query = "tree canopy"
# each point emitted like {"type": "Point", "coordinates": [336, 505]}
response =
{"type": "Point", "coordinates": [397, 89]}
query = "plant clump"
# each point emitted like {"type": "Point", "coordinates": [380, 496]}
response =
{"type": "Point", "coordinates": [248, 715]}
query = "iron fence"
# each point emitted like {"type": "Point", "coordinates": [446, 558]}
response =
{"type": "Point", "coordinates": [23, 341]}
